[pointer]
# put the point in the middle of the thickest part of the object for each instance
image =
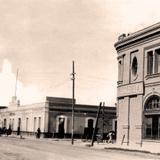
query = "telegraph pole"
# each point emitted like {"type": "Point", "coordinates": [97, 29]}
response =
{"type": "Point", "coordinates": [103, 120]}
{"type": "Point", "coordinates": [73, 100]}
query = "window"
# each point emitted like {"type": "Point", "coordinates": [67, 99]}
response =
{"type": "Point", "coordinates": [134, 66]}
{"type": "Point", "coordinates": [152, 118]}
{"type": "Point", "coordinates": [152, 127]}
{"type": "Point", "coordinates": [5, 123]}
{"type": "Point", "coordinates": [153, 103]}
{"type": "Point", "coordinates": [35, 124]}
{"type": "Point", "coordinates": [120, 70]}
{"type": "Point", "coordinates": [153, 61]}
{"type": "Point", "coordinates": [12, 127]}
{"type": "Point", "coordinates": [10, 122]}
{"type": "Point", "coordinates": [39, 122]}
{"type": "Point", "coordinates": [26, 124]}
{"type": "Point", "coordinates": [148, 127]}
{"type": "Point", "coordinates": [90, 122]}
{"type": "Point", "coordinates": [19, 122]}
{"type": "Point", "coordinates": [19, 126]}
{"type": "Point", "coordinates": [157, 60]}
{"type": "Point", "coordinates": [150, 62]}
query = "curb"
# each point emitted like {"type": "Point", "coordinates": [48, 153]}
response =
{"type": "Point", "coordinates": [131, 150]}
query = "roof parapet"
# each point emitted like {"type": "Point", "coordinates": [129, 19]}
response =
{"type": "Point", "coordinates": [124, 39]}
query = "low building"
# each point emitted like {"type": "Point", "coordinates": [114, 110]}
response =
{"type": "Point", "coordinates": [54, 118]}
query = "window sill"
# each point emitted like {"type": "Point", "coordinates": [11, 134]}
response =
{"type": "Point", "coordinates": [152, 110]}
{"type": "Point", "coordinates": [152, 75]}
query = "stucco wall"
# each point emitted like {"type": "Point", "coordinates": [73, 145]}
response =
{"type": "Point", "coordinates": [122, 121]}
{"type": "Point", "coordinates": [32, 112]}
{"type": "Point", "coordinates": [133, 91]}
{"type": "Point", "coordinates": [135, 119]}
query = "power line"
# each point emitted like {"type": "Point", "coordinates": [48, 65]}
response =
{"type": "Point", "coordinates": [60, 84]}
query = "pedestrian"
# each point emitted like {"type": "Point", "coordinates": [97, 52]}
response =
{"type": "Point", "coordinates": [9, 132]}
{"type": "Point", "coordinates": [4, 130]}
{"type": "Point", "coordinates": [18, 130]}
{"type": "Point", "coordinates": [38, 133]}
{"type": "Point", "coordinates": [110, 137]}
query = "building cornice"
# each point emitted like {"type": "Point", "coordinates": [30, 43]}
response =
{"type": "Point", "coordinates": [127, 40]}
{"type": "Point", "coordinates": [80, 107]}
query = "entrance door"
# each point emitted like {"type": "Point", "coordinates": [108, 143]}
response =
{"type": "Point", "coordinates": [61, 127]}
{"type": "Point", "coordinates": [115, 129]}
{"type": "Point", "coordinates": [90, 123]}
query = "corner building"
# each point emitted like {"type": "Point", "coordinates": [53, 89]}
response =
{"type": "Point", "coordinates": [138, 87]}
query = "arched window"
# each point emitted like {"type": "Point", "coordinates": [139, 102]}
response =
{"type": "Point", "coordinates": [90, 122]}
{"type": "Point", "coordinates": [152, 118]}
{"type": "Point", "coordinates": [153, 103]}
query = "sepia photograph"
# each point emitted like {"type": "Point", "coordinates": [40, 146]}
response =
{"type": "Point", "coordinates": [79, 80]}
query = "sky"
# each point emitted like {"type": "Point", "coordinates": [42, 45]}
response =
{"type": "Point", "coordinates": [42, 38]}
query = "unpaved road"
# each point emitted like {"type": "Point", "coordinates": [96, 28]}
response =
{"type": "Point", "coordinates": [33, 149]}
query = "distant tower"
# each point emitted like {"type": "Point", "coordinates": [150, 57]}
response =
{"type": "Point", "coordinates": [14, 98]}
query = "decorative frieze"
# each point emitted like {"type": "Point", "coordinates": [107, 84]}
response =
{"type": "Point", "coordinates": [130, 89]}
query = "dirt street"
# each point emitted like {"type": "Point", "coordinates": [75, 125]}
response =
{"type": "Point", "coordinates": [35, 149]}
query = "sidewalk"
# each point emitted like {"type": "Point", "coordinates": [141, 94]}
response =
{"type": "Point", "coordinates": [149, 149]}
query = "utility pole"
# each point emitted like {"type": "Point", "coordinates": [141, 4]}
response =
{"type": "Point", "coordinates": [103, 120]}
{"type": "Point", "coordinates": [73, 100]}
{"type": "Point", "coordinates": [95, 128]}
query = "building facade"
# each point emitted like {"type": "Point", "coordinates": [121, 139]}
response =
{"type": "Point", "coordinates": [54, 118]}
{"type": "Point", "coordinates": [138, 90]}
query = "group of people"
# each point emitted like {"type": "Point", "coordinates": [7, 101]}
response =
{"type": "Point", "coordinates": [5, 131]}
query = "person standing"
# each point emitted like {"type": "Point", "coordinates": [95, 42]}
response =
{"type": "Point", "coordinates": [18, 131]}
{"type": "Point", "coordinates": [38, 133]}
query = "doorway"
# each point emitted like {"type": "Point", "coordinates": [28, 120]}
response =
{"type": "Point", "coordinates": [61, 127]}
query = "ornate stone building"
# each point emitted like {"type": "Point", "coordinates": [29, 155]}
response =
{"type": "Point", "coordinates": [138, 90]}
{"type": "Point", "coordinates": [54, 118]}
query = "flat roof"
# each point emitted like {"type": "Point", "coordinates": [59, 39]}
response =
{"type": "Point", "coordinates": [149, 31]}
